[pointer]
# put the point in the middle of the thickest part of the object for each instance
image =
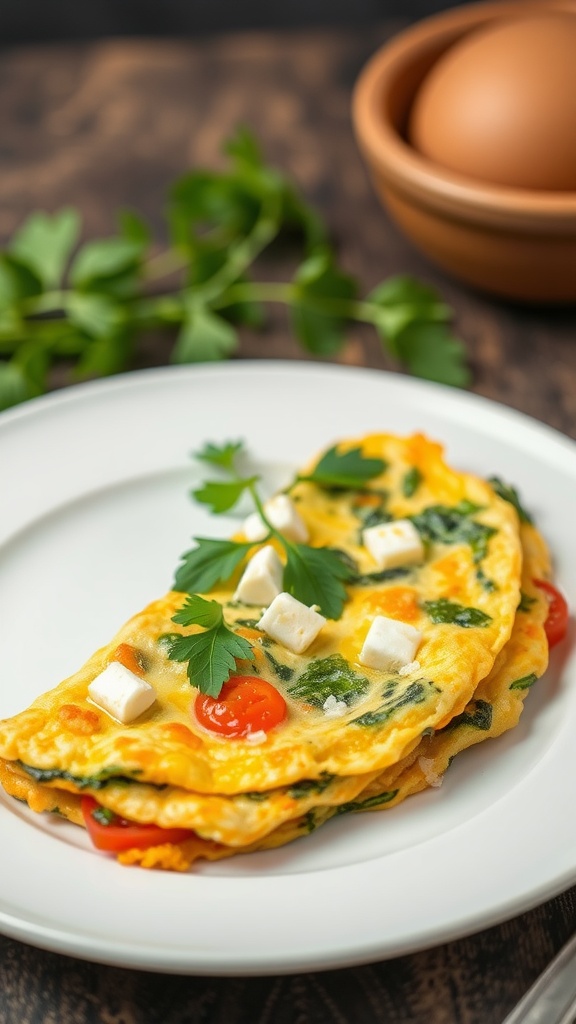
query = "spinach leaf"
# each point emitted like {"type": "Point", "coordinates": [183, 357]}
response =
{"type": "Point", "coordinates": [96, 781]}
{"type": "Point", "coordinates": [327, 677]}
{"type": "Point", "coordinates": [366, 805]}
{"type": "Point", "coordinates": [307, 786]}
{"type": "Point", "coordinates": [444, 610]}
{"type": "Point", "coordinates": [525, 682]}
{"type": "Point", "coordinates": [411, 481]}
{"type": "Point", "coordinates": [284, 672]}
{"type": "Point", "coordinates": [368, 579]}
{"type": "Point", "coordinates": [415, 693]}
{"type": "Point", "coordinates": [478, 714]}
{"type": "Point", "coordinates": [510, 494]}
{"type": "Point", "coordinates": [526, 602]}
{"type": "Point", "coordinates": [446, 525]}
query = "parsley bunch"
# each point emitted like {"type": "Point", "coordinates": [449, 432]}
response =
{"type": "Point", "coordinates": [87, 306]}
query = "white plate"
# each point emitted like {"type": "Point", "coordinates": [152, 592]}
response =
{"type": "Point", "coordinates": [93, 517]}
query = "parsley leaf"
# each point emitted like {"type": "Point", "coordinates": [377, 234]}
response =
{"type": "Point", "coordinates": [212, 654]}
{"type": "Point", "coordinates": [222, 455]}
{"type": "Point", "coordinates": [315, 576]}
{"type": "Point", "coordinates": [210, 562]}
{"type": "Point", "coordinates": [222, 496]}
{"type": "Point", "coordinates": [45, 241]}
{"type": "Point", "coordinates": [432, 351]}
{"type": "Point", "coordinates": [349, 469]}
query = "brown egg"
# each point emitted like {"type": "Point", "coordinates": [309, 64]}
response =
{"type": "Point", "coordinates": [500, 105]}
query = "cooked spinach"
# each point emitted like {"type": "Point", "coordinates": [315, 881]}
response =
{"type": "Point", "coordinates": [526, 602]}
{"type": "Point", "coordinates": [487, 584]}
{"type": "Point", "coordinates": [372, 515]}
{"type": "Point", "coordinates": [327, 677]}
{"type": "Point", "coordinates": [415, 693]}
{"type": "Point", "coordinates": [445, 525]}
{"type": "Point", "coordinates": [510, 494]}
{"type": "Point", "coordinates": [525, 682]}
{"type": "Point", "coordinates": [367, 579]}
{"type": "Point", "coordinates": [478, 714]}
{"type": "Point", "coordinates": [103, 815]}
{"type": "Point", "coordinates": [96, 781]}
{"type": "Point", "coordinates": [308, 822]}
{"type": "Point", "coordinates": [284, 672]}
{"type": "Point", "coordinates": [307, 786]}
{"type": "Point", "coordinates": [411, 481]}
{"type": "Point", "coordinates": [444, 610]}
{"type": "Point", "coordinates": [365, 805]}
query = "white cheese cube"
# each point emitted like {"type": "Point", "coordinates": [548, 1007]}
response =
{"type": "Point", "coordinates": [394, 544]}
{"type": "Point", "coordinates": [334, 708]}
{"type": "Point", "coordinates": [291, 623]}
{"type": "Point", "coordinates": [261, 580]}
{"type": "Point", "coordinates": [284, 516]}
{"type": "Point", "coordinates": [121, 693]}
{"type": "Point", "coordinates": [389, 644]}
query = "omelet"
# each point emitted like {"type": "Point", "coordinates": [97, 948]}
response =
{"type": "Point", "coordinates": [167, 768]}
{"type": "Point", "coordinates": [260, 821]}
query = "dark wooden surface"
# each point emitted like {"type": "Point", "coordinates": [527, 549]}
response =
{"type": "Point", "coordinates": [110, 125]}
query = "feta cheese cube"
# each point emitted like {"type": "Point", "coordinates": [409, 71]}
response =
{"type": "Point", "coordinates": [261, 580]}
{"type": "Point", "coordinates": [334, 708]}
{"type": "Point", "coordinates": [291, 623]}
{"type": "Point", "coordinates": [394, 544]}
{"type": "Point", "coordinates": [283, 515]}
{"type": "Point", "coordinates": [121, 693]}
{"type": "Point", "coordinates": [389, 644]}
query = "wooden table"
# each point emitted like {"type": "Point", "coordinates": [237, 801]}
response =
{"type": "Point", "coordinates": [110, 125]}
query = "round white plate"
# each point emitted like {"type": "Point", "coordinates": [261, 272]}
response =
{"type": "Point", "coordinates": [93, 518]}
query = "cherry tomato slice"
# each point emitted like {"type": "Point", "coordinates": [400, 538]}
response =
{"type": "Point", "coordinates": [246, 705]}
{"type": "Point", "coordinates": [117, 834]}
{"type": "Point", "coordinates": [557, 621]}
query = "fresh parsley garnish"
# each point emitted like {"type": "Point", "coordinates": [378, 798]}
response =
{"type": "Point", "coordinates": [222, 455]}
{"type": "Point", "coordinates": [209, 563]}
{"type": "Point", "coordinates": [315, 576]}
{"type": "Point", "coordinates": [348, 470]}
{"type": "Point", "coordinates": [212, 653]}
{"type": "Point", "coordinates": [223, 495]}
{"type": "Point", "coordinates": [87, 304]}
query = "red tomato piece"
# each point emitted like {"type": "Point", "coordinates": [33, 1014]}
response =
{"type": "Point", "coordinates": [557, 621]}
{"type": "Point", "coordinates": [246, 705]}
{"type": "Point", "coordinates": [110, 832]}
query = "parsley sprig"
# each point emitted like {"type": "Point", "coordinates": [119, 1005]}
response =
{"type": "Point", "coordinates": [211, 654]}
{"type": "Point", "coordinates": [315, 576]}
{"type": "Point", "coordinates": [86, 306]}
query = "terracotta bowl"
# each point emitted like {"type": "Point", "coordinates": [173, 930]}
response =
{"type": "Point", "coordinates": [516, 243]}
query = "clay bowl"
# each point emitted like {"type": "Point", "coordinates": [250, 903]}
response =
{"type": "Point", "coordinates": [516, 243]}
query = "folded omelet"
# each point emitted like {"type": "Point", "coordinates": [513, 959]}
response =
{"type": "Point", "coordinates": [395, 730]}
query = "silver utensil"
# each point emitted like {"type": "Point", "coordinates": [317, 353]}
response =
{"type": "Point", "coordinates": [552, 997]}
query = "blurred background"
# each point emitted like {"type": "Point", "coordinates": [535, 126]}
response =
{"type": "Point", "coordinates": [48, 20]}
